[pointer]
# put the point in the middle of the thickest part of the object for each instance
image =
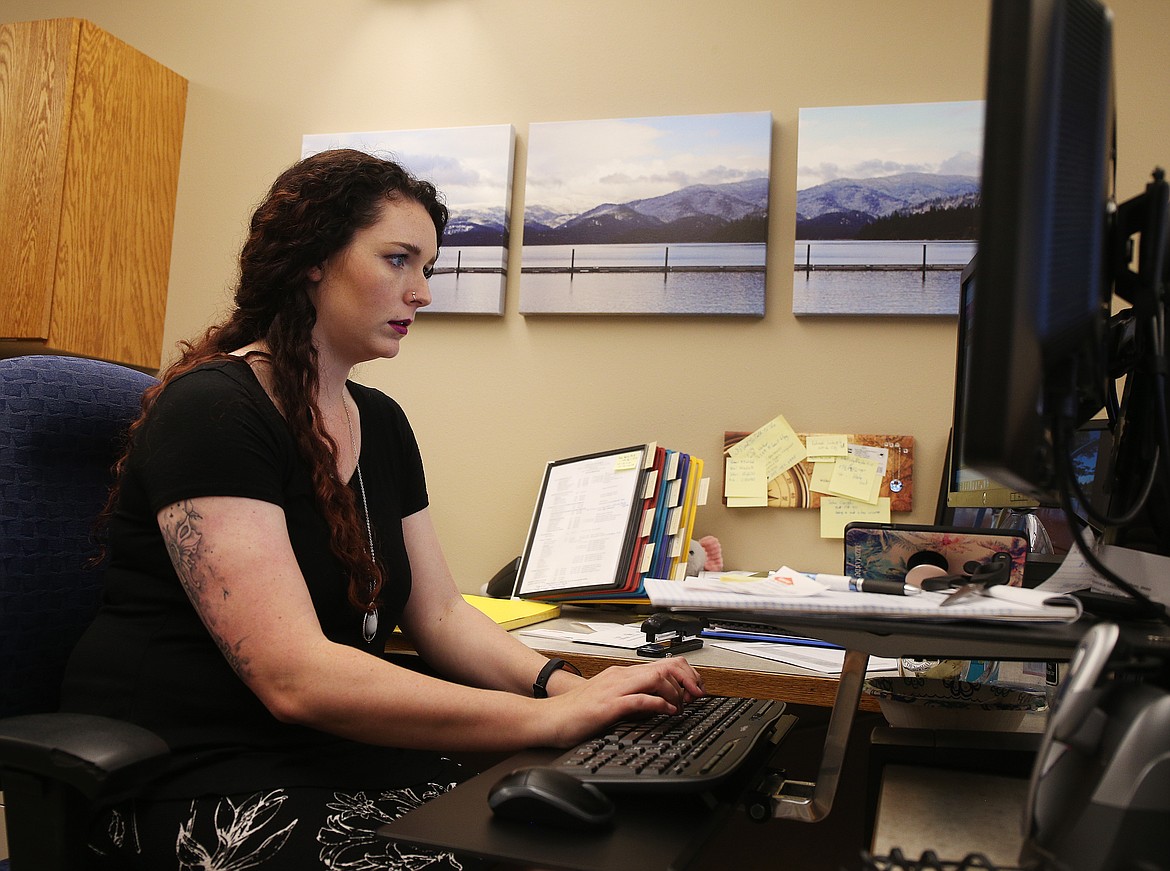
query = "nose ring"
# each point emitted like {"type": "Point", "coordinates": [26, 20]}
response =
{"type": "Point", "coordinates": [413, 297]}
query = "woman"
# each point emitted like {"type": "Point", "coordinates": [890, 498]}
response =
{"type": "Point", "coordinates": [270, 527]}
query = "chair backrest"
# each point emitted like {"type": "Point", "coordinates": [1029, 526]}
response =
{"type": "Point", "coordinates": [62, 425]}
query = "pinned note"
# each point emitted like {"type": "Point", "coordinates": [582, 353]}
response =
{"type": "Point", "coordinates": [777, 443]}
{"type": "Point", "coordinates": [746, 484]}
{"type": "Point", "coordinates": [820, 446]}
{"type": "Point", "coordinates": [836, 512]}
{"type": "Point", "coordinates": [879, 455]}
{"type": "Point", "coordinates": [856, 478]}
{"type": "Point", "coordinates": [822, 476]}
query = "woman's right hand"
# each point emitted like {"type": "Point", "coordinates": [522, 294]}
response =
{"type": "Point", "coordinates": [620, 693]}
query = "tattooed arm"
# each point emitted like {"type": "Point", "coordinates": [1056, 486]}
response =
{"type": "Point", "coordinates": [234, 559]}
{"type": "Point", "coordinates": [182, 529]}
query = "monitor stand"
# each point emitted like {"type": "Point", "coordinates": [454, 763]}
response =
{"type": "Point", "coordinates": [1029, 524]}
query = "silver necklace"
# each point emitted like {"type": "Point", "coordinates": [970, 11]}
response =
{"type": "Point", "coordinates": [370, 619]}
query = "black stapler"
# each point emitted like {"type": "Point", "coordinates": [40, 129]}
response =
{"type": "Point", "coordinates": [670, 634]}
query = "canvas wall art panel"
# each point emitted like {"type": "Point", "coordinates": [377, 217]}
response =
{"type": "Point", "coordinates": [887, 201]}
{"type": "Point", "coordinates": [647, 216]}
{"type": "Point", "coordinates": [472, 168]}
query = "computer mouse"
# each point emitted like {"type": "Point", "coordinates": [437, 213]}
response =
{"type": "Point", "coordinates": [549, 796]}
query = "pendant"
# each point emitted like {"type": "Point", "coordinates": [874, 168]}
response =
{"type": "Point", "coordinates": [896, 485]}
{"type": "Point", "coordinates": [370, 625]}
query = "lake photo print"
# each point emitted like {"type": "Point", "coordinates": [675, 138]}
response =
{"type": "Point", "coordinates": [887, 206]}
{"type": "Point", "coordinates": [649, 216]}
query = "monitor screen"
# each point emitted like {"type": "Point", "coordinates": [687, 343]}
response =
{"type": "Point", "coordinates": [964, 486]}
{"type": "Point", "coordinates": [969, 498]}
{"type": "Point", "coordinates": [1090, 456]}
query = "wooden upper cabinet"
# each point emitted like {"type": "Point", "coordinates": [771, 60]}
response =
{"type": "Point", "coordinates": [90, 136]}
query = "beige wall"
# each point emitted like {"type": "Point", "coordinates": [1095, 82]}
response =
{"type": "Point", "coordinates": [493, 398]}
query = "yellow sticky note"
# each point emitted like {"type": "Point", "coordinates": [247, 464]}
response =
{"type": "Point", "coordinates": [777, 443]}
{"type": "Point", "coordinates": [747, 502]}
{"type": "Point", "coordinates": [856, 478]}
{"type": "Point", "coordinates": [826, 445]}
{"type": "Point", "coordinates": [627, 461]}
{"type": "Point", "coordinates": [746, 484]}
{"type": "Point", "coordinates": [836, 512]}
{"type": "Point", "coordinates": [822, 476]}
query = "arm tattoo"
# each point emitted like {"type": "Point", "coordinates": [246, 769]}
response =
{"type": "Point", "coordinates": [183, 535]}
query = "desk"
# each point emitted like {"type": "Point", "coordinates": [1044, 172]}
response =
{"type": "Point", "coordinates": [725, 673]}
{"type": "Point", "coordinates": [478, 832]}
{"type": "Point", "coordinates": [650, 835]}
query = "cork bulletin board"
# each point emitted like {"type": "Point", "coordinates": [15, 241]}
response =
{"type": "Point", "coordinates": [791, 489]}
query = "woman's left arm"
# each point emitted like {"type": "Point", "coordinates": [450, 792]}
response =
{"type": "Point", "coordinates": [455, 638]}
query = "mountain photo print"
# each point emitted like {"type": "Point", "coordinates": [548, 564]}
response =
{"type": "Point", "coordinates": [650, 216]}
{"type": "Point", "coordinates": [887, 204]}
{"type": "Point", "coordinates": [472, 168]}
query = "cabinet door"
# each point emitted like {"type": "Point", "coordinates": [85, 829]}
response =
{"type": "Point", "coordinates": [36, 84]}
{"type": "Point", "coordinates": [118, 207]}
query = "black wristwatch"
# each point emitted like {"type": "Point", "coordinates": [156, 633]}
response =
{"type": "Point", "coordinates": [540, 687]}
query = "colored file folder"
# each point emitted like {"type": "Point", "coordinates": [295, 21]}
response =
{"type": "Point", "coordinates": [604, 523]}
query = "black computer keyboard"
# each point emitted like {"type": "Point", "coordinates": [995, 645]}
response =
{"type": "Point", "coordinates": [692, 750]}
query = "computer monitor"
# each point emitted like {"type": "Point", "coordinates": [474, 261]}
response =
{"type": "Point", "coordinates": [1036, 325]}
{"type": "Point", "coordinates": [1044, 355]}
{"type": "Point", "coordinates": [964, 486]}
{"type": "Point", "coordinates": [969, 498]}
{"type": "Point", "coordinates": [1090, 456]}
{"type": "Point", "coordinates": [1044, 350]}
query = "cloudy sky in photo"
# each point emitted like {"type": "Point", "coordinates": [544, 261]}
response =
{"type": "Point", "coordinates": [872, 141]}
{"type": "Point", "coordinates": [470, 165]}
{"type": "Point", "coordinates": [576, 165]}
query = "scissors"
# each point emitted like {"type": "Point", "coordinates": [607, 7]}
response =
{"type": "Point", "coordinates": [988, 574]}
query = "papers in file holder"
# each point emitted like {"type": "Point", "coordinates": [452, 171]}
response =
{"type": "Point", "coordinates": [604, 522]}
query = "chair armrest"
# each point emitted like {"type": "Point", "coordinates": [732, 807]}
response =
{"type": "Point", "coordinates": [97, 756]}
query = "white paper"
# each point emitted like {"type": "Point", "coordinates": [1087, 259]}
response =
{"type": "Point", "coordinates": [825, 660]}
{"type": "Point", "coordinates": [1074, 572]}
{"type": "Point", "coordinates": [628, 637]}
{"type": "Point", "coordinates": [581, 524]}
{"type": "Point", "coordinates": [924, 606]}
{"type": "Point", "coordinates": [783, 582]}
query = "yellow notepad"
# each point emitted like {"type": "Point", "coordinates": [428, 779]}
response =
{"type": "Point", "coordinates": [514, 613]}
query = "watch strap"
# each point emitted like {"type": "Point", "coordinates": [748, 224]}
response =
{"type": "Point", "coordinates": [540, 685]}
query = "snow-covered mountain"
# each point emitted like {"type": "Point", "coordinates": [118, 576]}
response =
{"type": "Point", "coordinates": [735, 212]}
{"type": "Point", "coordinates": [839, 209]}
{"type": "Point", "coordinates": [476, 227]}
{"type": "Point", "coordinates": [878, 197]}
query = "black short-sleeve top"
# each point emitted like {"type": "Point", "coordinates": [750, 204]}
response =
{"type": "Point", "coordinates": [147, 657]}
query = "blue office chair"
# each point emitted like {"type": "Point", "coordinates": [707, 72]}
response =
{"type": "Point", "coordinates": [62, 425]}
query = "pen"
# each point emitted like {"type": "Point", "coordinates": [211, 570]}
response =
{"type": "Point", "coordinates": [866, 585]}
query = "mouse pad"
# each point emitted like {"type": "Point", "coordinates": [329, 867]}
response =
{"type": "Point", "coordinates": [647, 833]}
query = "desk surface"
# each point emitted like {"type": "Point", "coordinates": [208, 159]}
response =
{"type": "Point", "coordinates": [725, 673]}
{"type": "Point", "coordinates": [658, 834]}
{"type": "Point", "coordinates": [672, 834]}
